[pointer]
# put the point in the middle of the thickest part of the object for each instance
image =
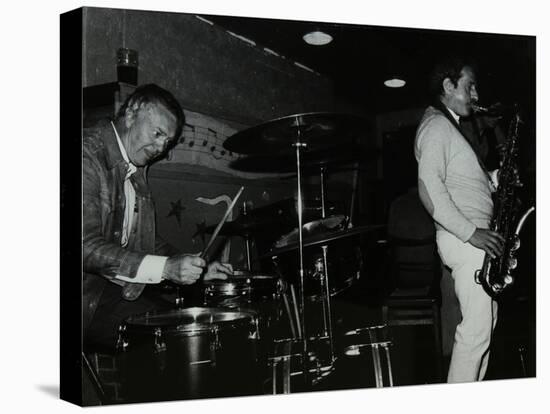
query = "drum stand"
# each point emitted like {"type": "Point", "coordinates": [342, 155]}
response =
{"type": "Point", "coordinates": [247, 242]}
{"type": "Point", "coordinates": [327, 310]}
{"type": "Point", "coordinates": [371, 340]}
{"type": "Point", "coordinates": [327, 317]}
{"type": "Point", "coordinates": [302, 331]}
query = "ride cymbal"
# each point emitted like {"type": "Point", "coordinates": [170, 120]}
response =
{"type": "Point", "coordinates": [317, 130]}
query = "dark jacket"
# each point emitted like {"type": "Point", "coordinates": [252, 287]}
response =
{"type": "Point", "coordinates": [103, 172]}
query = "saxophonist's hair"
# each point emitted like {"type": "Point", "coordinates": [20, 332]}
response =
{"type": "Point", "coordinates": [450, 67]}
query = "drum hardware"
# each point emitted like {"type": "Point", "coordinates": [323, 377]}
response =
{"type": "Point", "coordinates": [313, 228]}
{"type": "Point", "coordinates": [300, 131]}
{"type": "Point", "coordinates": [289, 314]}
{"type": "Point", "coordinates": [296, 311]}
{"type": "Point", "coordinates": [159, 345]}
{"type": "Point", "coordinates": [353, 195]}
{"type": "Point", "coordinates": [283, 289]}
{"type": "Point", "coordinates": [289, 362]}
{"type": "Point", "coordinates": [322, 176]}
{"type": "Point", "coordinates": [521, 351]}
{"type": "Point", "coordinates": [285, 358]}
{"type": "Point", "coordinates": [121, 343]}
{"type": "Point", "coordinates": [247, 241]}
{"type": "Point", "coordinates": [302, 330]}
{"type": "Point", "coordinates": [372, 231]}
{"type": "Point", "coordinates": [371, 339]}
{"type": "Point", "coordinates": [243, 287]}
{"type": "Point", "coordinates": [327, 317]}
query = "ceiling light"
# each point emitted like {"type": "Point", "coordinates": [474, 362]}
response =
{"type": "Point", "coordinates": [317, 38]}
{"type": "Point", "coordinates": [395, 83]}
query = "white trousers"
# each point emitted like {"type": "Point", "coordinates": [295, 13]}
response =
{"type": "Point", "coordinates": [472, 338]}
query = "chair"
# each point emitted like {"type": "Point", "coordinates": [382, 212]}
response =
{"type": "Point", "coordinates": [413, 271]}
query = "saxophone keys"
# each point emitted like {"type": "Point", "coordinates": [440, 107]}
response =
{"type": "Point", "coordinates": [508, 279]}
{"type": "Point", "coordinates": [516, 243]}
{"type": "Point", "coordinates": [512, 262]}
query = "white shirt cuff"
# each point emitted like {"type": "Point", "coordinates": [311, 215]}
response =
{"type": "Point", "coordinates": [149, 271]}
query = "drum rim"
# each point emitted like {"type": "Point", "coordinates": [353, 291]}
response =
{"type": "Point", "coordinates": [243, 279]}
{"type": "Point", "coordinates": [246, 318]}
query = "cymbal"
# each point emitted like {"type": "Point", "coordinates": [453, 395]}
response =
{"type": "Point", "coordinates": [335, 159]}
{"type": "Point", "coordinates": [318, 130]}
{"type": "Point", "coordinates": [313, 228]}
{"type": "Point", "coordinates": [325, 238]}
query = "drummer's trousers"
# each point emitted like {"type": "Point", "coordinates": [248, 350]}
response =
{"type": "Point", "coordinates": [112, 310]}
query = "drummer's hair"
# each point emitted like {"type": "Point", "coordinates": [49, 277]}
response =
{"type": "Point", "coordinates": [154, 94]}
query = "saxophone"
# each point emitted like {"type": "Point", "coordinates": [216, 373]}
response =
{"type": "Point", "coordinates": [497, 274]}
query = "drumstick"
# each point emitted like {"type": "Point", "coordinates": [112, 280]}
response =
{"type": "Point", "coordinates": [221, 223]}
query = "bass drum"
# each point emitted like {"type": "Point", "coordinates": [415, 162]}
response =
{"type": "Point", "coordinates": [189, 353]}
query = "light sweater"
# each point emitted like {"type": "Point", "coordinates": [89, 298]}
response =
{"type": "Point", "coordinates": [452, 185]}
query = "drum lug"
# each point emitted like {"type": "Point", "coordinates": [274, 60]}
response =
{"type": "Point", "coordinates": [159, 345]}
{"type": "Point", "coordinates": [215, 345]}
{"type": "Point", "coordinates": [121, 343]}
{"type": "Point", "coordinates": [255, 334]}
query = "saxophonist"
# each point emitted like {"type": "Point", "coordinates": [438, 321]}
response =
{"type": "Point", "coordinates": [456, 188]}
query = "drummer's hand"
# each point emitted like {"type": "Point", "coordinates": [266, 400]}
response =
{"type": "Point", "coordinates": [217, 270]}
{"type": "Point", "coordinates": [184, 269]}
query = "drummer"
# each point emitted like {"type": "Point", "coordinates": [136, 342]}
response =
{"type": "Point", "coordinates": [122, 254]}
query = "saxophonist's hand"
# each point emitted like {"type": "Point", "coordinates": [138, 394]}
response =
{"type": "Point", "coordinates": [488, 240]}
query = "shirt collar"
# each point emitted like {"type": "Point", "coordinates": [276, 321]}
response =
{"type": "Point", "coordinates": [131, 167]}
{"type": "Point", "coordinates": [453, 114]}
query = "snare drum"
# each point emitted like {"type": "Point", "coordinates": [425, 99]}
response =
{"type": "Point", "coordinates": [240, 289]}
{"type": "Point", "coordinates": [189, 353]}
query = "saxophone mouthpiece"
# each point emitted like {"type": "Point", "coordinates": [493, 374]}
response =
{"type": "Point", "coordinates": [495, 110]}
{"type": "Point", "coordinates": [479, 109]}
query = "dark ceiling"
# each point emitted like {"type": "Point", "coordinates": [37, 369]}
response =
{"type": "Point", "coordinates": [360, 58]}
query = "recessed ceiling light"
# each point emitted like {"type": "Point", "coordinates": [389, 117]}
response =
{"type": "Point", "coordinates": [317, 38]}
{"type": "Point", "coordinates": [395, 83]}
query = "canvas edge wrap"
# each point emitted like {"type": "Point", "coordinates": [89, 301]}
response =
{"type": "Point", "coordinates": [71, 27]}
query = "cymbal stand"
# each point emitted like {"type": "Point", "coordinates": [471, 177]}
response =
{"type": "Point", "coordinates": [353, 195]}
{"type": "Point", "coordinates": [247, 242]}
{"type": "Point", "coordinates": [323, 205]}
{"type": "Point", "coordinates": [327, 311]}
{"type": "Point", "coordinates": [328, 305]}
{"type": "Point", "coordinates": [299, 145]}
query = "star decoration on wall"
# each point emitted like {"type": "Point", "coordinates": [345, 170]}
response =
{"type": "Point", "coordinates": [176, 209]}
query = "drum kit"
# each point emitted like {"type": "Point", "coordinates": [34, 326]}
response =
{"type": "Point", "coordinates": [257, 327]}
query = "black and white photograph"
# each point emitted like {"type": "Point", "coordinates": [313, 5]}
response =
{"type": "Point", "coordinates": [259, 206]}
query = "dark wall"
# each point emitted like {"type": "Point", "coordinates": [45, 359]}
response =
{"type": "Point", "coordinates": [209, 70]}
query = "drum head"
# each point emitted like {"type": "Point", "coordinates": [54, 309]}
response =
{"type": "Point", "coordinates": [190, 320]}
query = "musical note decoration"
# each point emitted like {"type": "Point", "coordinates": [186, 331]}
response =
{"type": "Point", "coordinates": [205, 141]}
{"type": "Point", "coordinates": [176, 209]}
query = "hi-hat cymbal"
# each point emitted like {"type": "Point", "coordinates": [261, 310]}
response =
{"type": "Point", "coordinates": [317, 130]}
{"type": "Point", "coordinates": [313, 228]}
{"type": "Point", "coordinates": [327, 237]}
